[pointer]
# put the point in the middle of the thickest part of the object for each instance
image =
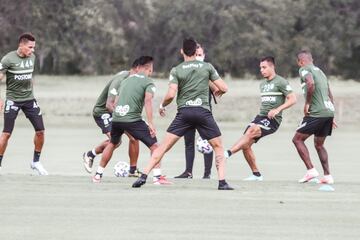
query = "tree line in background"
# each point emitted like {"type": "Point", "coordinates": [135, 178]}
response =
{"type": "Point", "coordinates": [102, 37]}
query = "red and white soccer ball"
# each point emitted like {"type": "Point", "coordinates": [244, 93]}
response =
{"type": "Point", "coordinates": [121, 169]}
{"type": "Point", "coordinates": [203, 146]}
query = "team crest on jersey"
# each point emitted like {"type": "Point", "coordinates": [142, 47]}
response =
{"type": "Point", "coordinates": [122, 110]}
{"type": "Point", "coordinates": [304, 72]}
{"type": "Point", "coordinates": [113, 91]}
{"type": "Point", "coordinates": [268, 87]}
{"type": "Point", "coordinates": [196, 102]}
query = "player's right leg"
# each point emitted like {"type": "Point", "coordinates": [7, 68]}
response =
{"type": "Point", "coordinates": [156, 156]}
{"type": "Point", "coordinates": [116, 132]}
{"type": "Point", "coordinates": [308, 127]}
{"type": "Point", "coordinates": [104, 123]}
{"type": "Point", "coordinates": [251, 160]}
{"type": "Point", "coordinates": [10, 114]}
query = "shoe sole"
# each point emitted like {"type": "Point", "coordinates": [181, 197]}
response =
{"type": "Point", "coordinates": [86, 166]}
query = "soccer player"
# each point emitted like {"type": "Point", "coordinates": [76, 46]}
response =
{"type": "Point", "coordinates": [276, 95]}
{"type": "Point", "coordinates": [19, 68]}
{"type": "Point", "coordinates": [190, 81]}
{"type": "Point", "coordinates": [318, 116]}
{"type": "Point", "coordinates": [189, 137]}
{"type": "Point", "coordinates": [102, 113]}
{"type": "Point", "coordinates": [135, 93]}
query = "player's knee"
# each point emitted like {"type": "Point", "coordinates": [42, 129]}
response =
{"type": "Point", "coordinates": [40, 134]}
{"type": "Point", "coordinates": [5, 136]}
{"type": "Point", "coordinates": [318, 145]}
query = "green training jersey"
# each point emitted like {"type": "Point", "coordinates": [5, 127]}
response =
{"type": "Point", "coordinates": [321, 105]}
{"type": "Point", "coordinates": [131, 98]}
{"type": "Point", "coordinates": [192, 78]}
{"type": "Point", "coordinates": [111, 89]}
{"type": "Point", "coordinates": [19, 71]}
{"type": "Point", "coordinates": [273, 94]}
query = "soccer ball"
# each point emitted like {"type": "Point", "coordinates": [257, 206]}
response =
{"type": "Point", "coordinates": [121, 169]}
{"type": "Point", "coordinates": [203, 146]}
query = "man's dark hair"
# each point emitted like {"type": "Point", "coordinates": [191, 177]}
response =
{"type": "Point", "coordinates": [304, 53]}
{"type": "Point", "coordinates": [189, 47]}
{"type": "Point", "coordinates": [143, 60]}
{"type": "Point", "coordinates": [135, 63]}
{"type": "Point", "coordinates": [25, 37]}
{"type": "Point", "coordinates": [269, 59]}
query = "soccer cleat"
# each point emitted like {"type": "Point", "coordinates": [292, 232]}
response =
{"type": "Point", "coordinates": [185, 175]}
{"type": "Point", "coordinates": [139, 182]}
{"type": "Point", "coordinates": [225, 186]}
{"type": "Point", "coordinates": [97, 177]}
{"type": "Point", "coordinates": [161, 180]}
{"type": "Point", "coordinates": [88, 162]}
{"type": "Point", "coordinates": [136, 173]}
{"type": "Point", "coordinates": [327, 179]}
{"type": "Point", "coordinates": [310, 174]}
{"type": "Point", "coordinates": [38, 167]}
{"type": "Point", "coordinates": [253, 177]}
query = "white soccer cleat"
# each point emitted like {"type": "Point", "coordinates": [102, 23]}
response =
{"type": "Point", "coordinates": [88, 162]}
{"type": "Point", "coordinates": [327, 179]}
{"type": "Point", "coordinates": [97, 178]}
{"type": "Point", "coordinates": [310, 174]}
{"type": "Point", "coordinates": [38, 167]}
{"type": "Point", "coordinates": [254, 178]}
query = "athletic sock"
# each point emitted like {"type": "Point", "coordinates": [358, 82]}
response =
{"type": "Point", "coordinates": [157, 172]}
{"type": "Point", "coordinates": [1, 159]}
{"type": "Point", "coordinates": [229, 153]}
{"type": "Point", "coordinates": [91, 154]}
{"type": "Point", "coordinates": [258, 174]}
{"type": "Point", "coordinates": [132, 169]}
{"type": "Point", "coordinates": [36, 156]}
{"type": "Point", "coordinates": [100, 170]}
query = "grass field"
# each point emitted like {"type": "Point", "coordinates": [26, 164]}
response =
{"type": "Point", "coordinates": [66, 205]}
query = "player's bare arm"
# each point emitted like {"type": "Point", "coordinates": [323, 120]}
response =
{"type": "Point", "coordinates": [221, 85]}
{"type": "Point", "coordinates": [310, 86]}
{"type": "Point", "coordinates": [289, 101]}
{"type": "Point", "coordinates": [110, 103]}
{"type": "Point", "coordinates": [149, 112]}
{"type": "Point", "coordinates": [215, 89]}
{"type": "Point", "coordinates": [170, 95]}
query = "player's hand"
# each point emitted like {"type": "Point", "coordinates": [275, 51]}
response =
{"type": "Point", "coordinates": [306, 109]}
{"type": "Point", "coordinates": [272, 113]}
{"type": "Point", "coordinates": [152, 130]}
{"type": "Point", "coordinates": [334, 124]}
{"type": "Point", "coordinates": [162, 110]}
{"type": "Point", "coordinates": [218, 93]}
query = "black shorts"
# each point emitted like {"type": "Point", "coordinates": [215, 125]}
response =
{"type": "Point", "coordinates": [104, 122]}
{"type": "Point", "coordinates": [268, 126]}
{"type": "Point", "coordinates": [195, 117]}
{"type": "Point", "coordinates": [30, 108]}
{"type": "Point", "coordinates": [139, 130]}
{"type": "Point", "coordinates": [319, 126]}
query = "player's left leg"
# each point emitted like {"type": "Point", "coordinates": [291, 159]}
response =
{"type": "Point", "coordinates": [33, 113]}
{"type": "Point", "coordinates": [323, 156]}
{"type": "Point", "coordinates": [156, 156]}
{"type": "Point", "coordinates": [251, 160]}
